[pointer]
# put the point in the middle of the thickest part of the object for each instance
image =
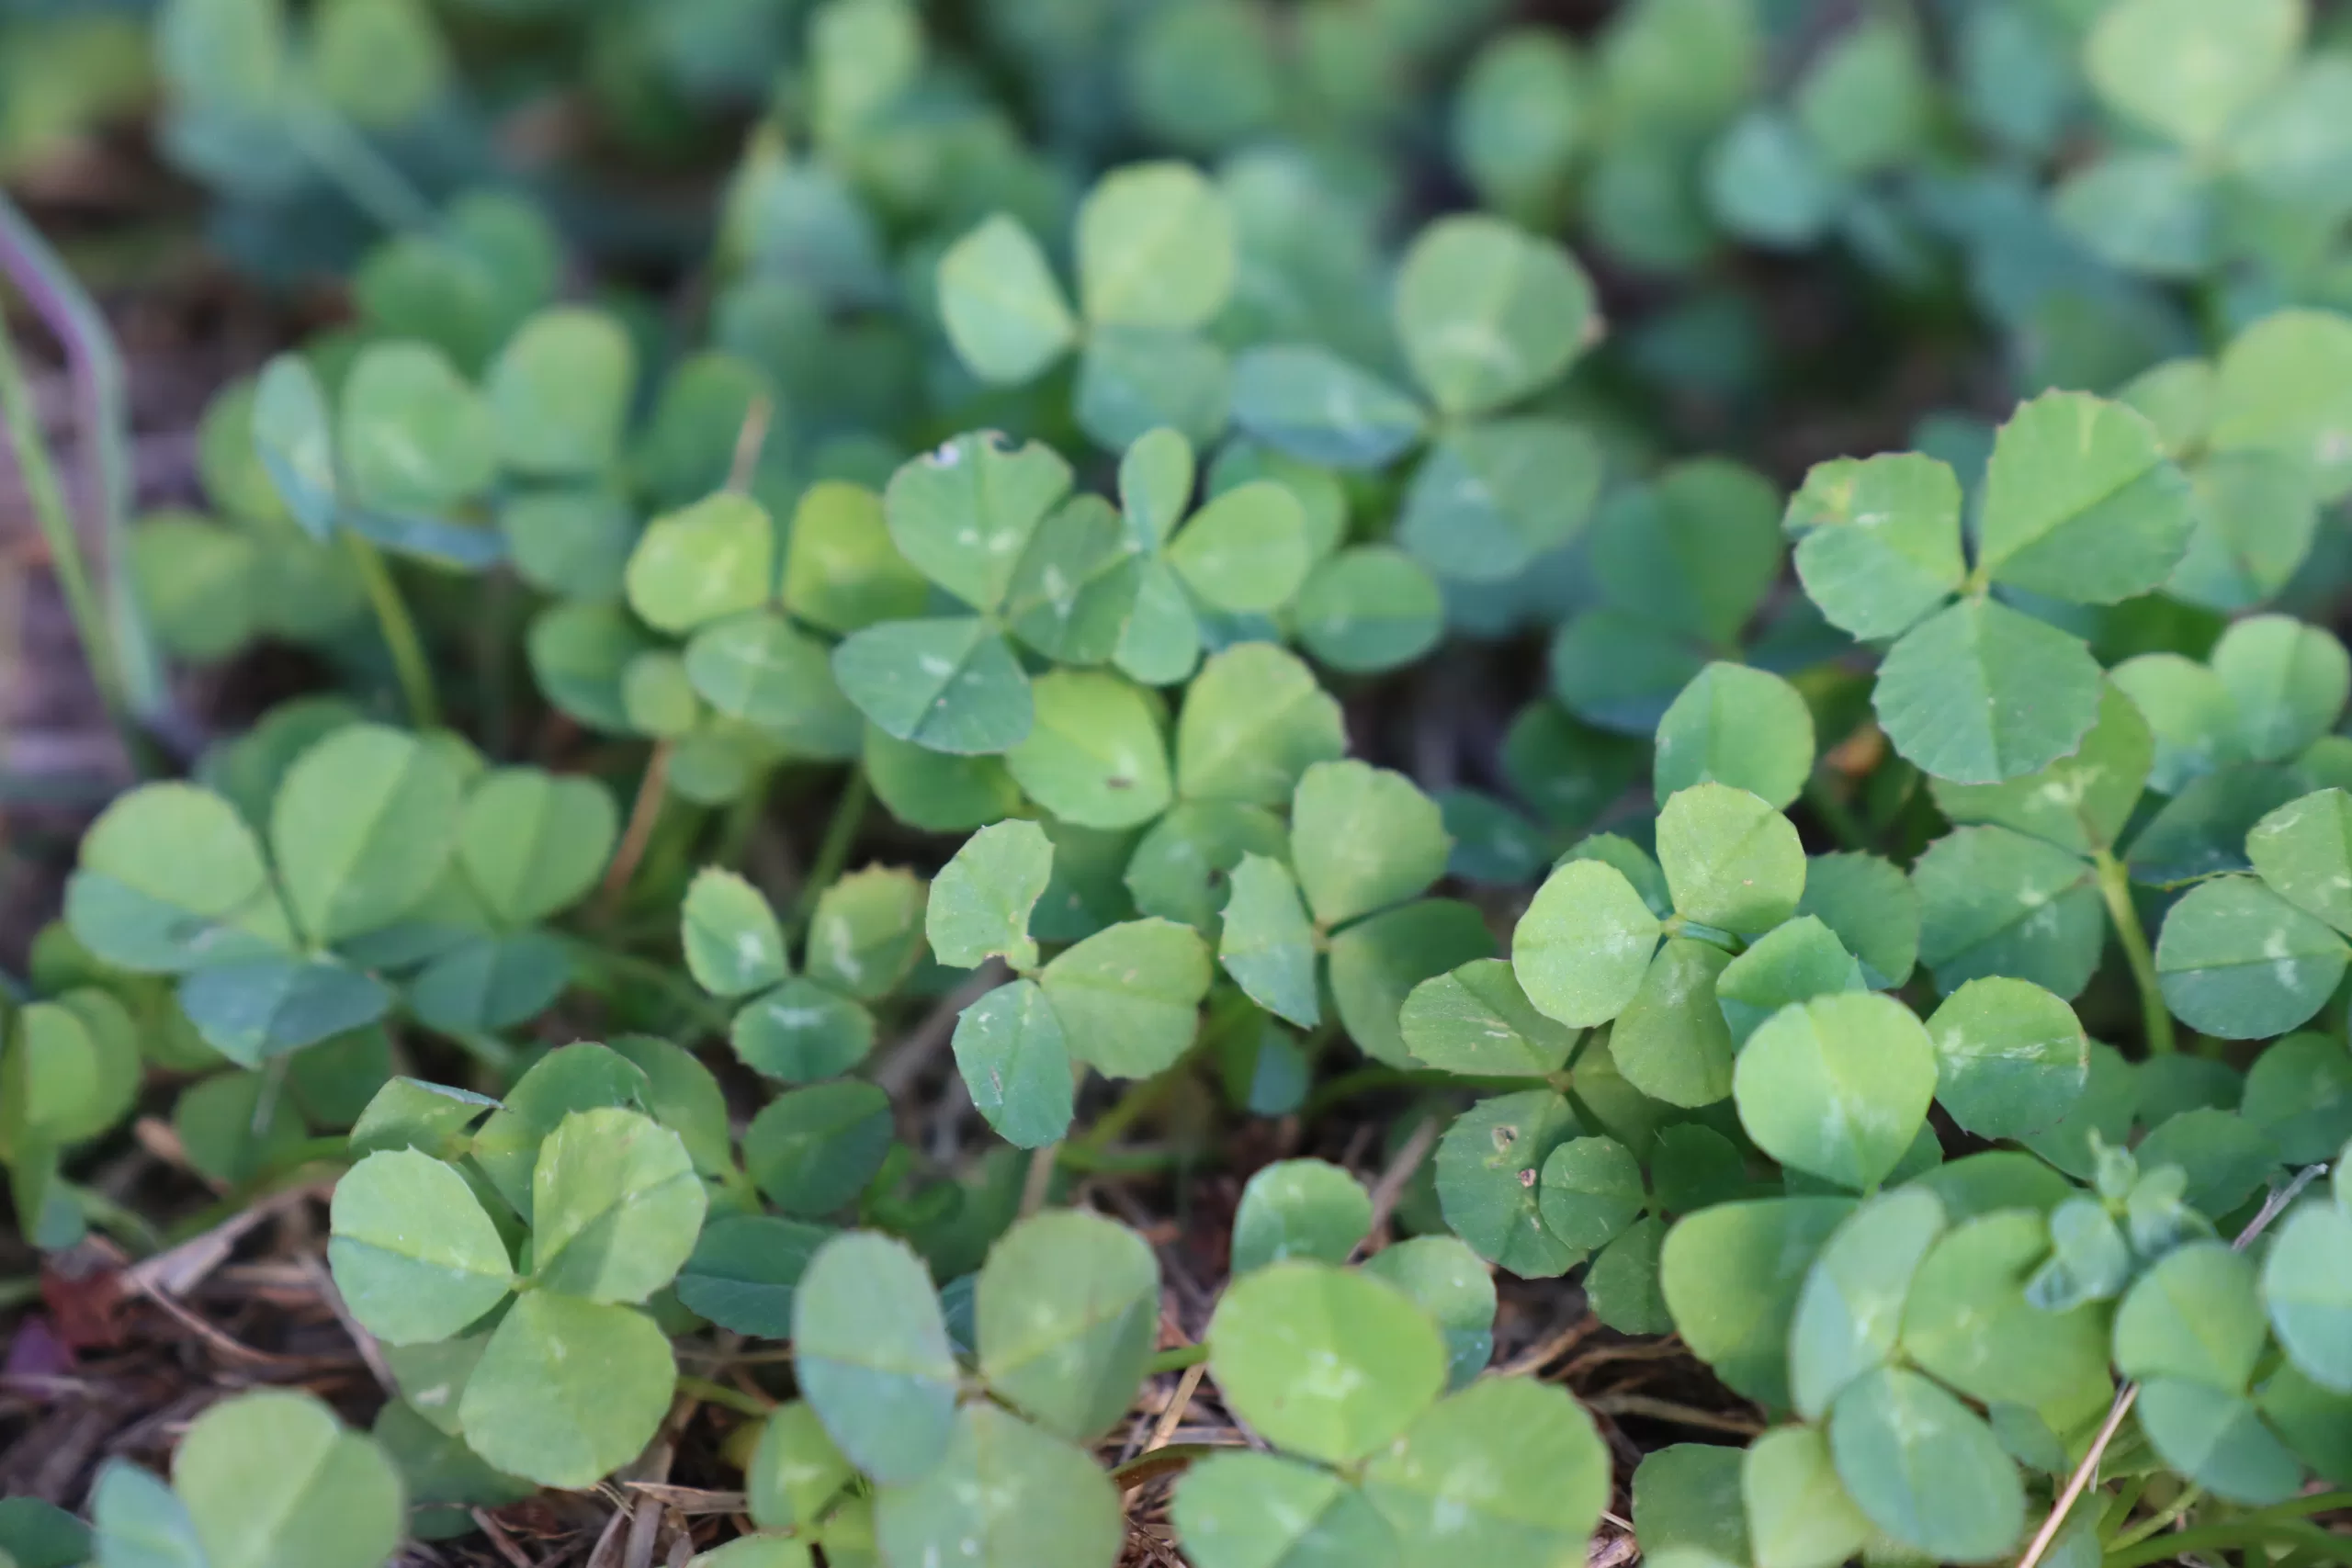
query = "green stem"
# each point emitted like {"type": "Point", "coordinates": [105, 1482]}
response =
{"type": "Point", "coordinates": [832, 851]}
{"type": "Point", "coordinates": [39, 474]}
{"type": "Point", "coordinates": [392, 619]}
{"type": "Point", "coordinates": [711, 1393]}
{"type": "Point", "coordinates": [2155, 1018]}
{"type": "Point", "coordinates": [2282, 1520]}
{"type": "Point", "coordinates": [1135, 1102]}
{"type": "Point", "coordinates": [1177, 1360]}
{"type": "Point", "coordinates": [2162, 1520]}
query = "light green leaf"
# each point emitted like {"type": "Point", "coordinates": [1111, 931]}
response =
{"type": "Point", "coordinates": [1267, 944]}
{"type": "Point", "coordinates": [1369, 608]}
{"type": "Point", "coordinates": [1254, 719]}
{"type": "Point", "coordinates": [1739, 726]}
{"type": "Point", "coordinates": [704, 563]}
{"type": "Point", "coordinates": [1995, 902]}
{"type": "Point", "coordinates": [1182, 868]}
{"type": "Point", "coordinates": [1730, 860]}
{"type": "Point", "coordinates": [1075, 585]}
{"type": "Point", "coordinates": [414, 1254]}
{"type": "Point", "coordinates": [1129, 995]}
{"type": "Point", "coordinates": [1583, 945]}
{"type": "Point", "coordinates": [616, 1206]}
{"type": "Point", "coordinates": [1309, 403]}
{"type": "Point", "coordinates": [293, 439]}
{"type": "Point", "coordinates": [1096, 755]}
{"type": "Point", "coordinates": [1981, 693]}
{"type": "Point", "coordinates": [1488, 1166]}
{"type": "Point", "coordinates": [2307, 1289]}
{"type": "Point", "coordinates": [2080, 802]}
{"type": "Point", "coordinates": [1155, 477]}
{"type": "Point", "coordinates": [1868, 905]}
{"type": "Point", "coordinates": [1789, 963]}
{"type": "Point", "coordinates": [1003, 1494]}
{"type": "Point", "coordinates": [1474, 1020]}
{"type": "Point", "coordinates": [1731, 1274]}
{"type": "Point", "coordinates": [534, 844]}
{"type": "Point", "coordinates": [559, 392]}
{"type": "Point", "coordinates": [1850, 1309]}
{"type": "Point", "coordinates": [362, 828]}
{"type": "Point", "coordinates": [743, 1275]}
{"type": "Point", "coordinates": [1493, 495]}
{"type": "Point", "coordinates": [1452, 1285]}
{"type": "Point", "coordinates": [842, 572]}
{"type": "Point", "coordinates": [801, 1032]}
{"type": "Point", "coordinates": [1798, 1513]}
{"type": "Point", "coordinates": [964, 514]}
{"type": "Point", "coordinates": [981, 900]}
{"type": "Point", "coordinates": [413, 436]}
{"type": "Point", "coordinates": [2081, 502]}
{"type": "Point", "coordinates": [1015, 1058]}
{"type": "Point", "coordinates": [871, 1353]}
{"type": "Point", "coordinates": [579, 1076]}
{"type": "Point", "coordinates": [2220, 1441]}
{"type": "Point", "coordinates": [1299, 1207]}
{"type": "Point", "coordinates": [733, 945]}
{"type": "Point", "coordinates": [2011, 1058]}
{"type": "Point", "coordinates": [2285, 386]}
{"type": "Point", "coordinates": [1239, 1509]}
{"type": "Point", "coordinates": [1878, 540]}
{"type": "Point", "coordinates": [813, 1150]}
{"type": "Point", "coordinates": [2195, 1316]}
{"type": "Point", "coordinates": [1924, 1469]}
{"type": "Point", "coordinates": [1362, 839]}
{"type": "Point", "coordinates": [1246, 551]}
{"type": "Point", "coordinates": [865, 932]}
{"type": "Point", "coordinates": [2288, 680]}
{"type": "Point", "coordinates": [2188, 71]}
{"type": "Point", "coordinates": [1510, 1473]}
{"type": "Point", "coordinates": [1673, 1042]}
{"type": "Point", "coordinates": [1156, 248]}
{"type": "Point", "coordinates": [948, 685]}
{"type": "Point", "coordinates": [272, 1480]}
{"type": "Point", "coordinates": [1488, 313]}
{"type": "Point", "coordinates": [1069, 1311]}
{"type": "Point", "coordinates": [1326, 1363]}
{"type": "Point", "coordinates": [568, 1391]}
{"type": "Point", "coordinates": [2236, 960]}
{"type": "Point", "coordinates": [1969, 1324]}
{"type": "Point", "coordinates": [1002, 307]}
{"type": "Point", "coordinates": [1837, 1087]}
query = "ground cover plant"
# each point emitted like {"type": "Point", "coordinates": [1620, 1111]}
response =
{"type": "Point", "coordinates": [1401, 783]}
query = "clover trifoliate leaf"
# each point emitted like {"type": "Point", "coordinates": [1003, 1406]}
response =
{"type": "Point", "coordinates": [362, 828]}
{"type": "Point", "coordinates": [1686, 1501]}
{"type": "Point", "coordinates": [1299, 1207]}
{"type": "Point", "coordinates": [1453, 1284]}
{"type": "Point", "coordinates": [949, 684]}
{"type": "Point", "coordinates": [1134, 379]}
{"type": "Point", "coordinates": [796, 1473]}
{"type": "Point", "coordinates": [1488, 313]}
{"type": "Point", "coordinates": [413, 436]}
{"type": "Point", "coordinates": [999, 300]}
{"type": "Point", "coordinates": [1128, 997]}
{"type": "Point", "coordinates": [1323, 1362]}
{"type": "Point", "coordinates": [2307, 1289]}
{"type": "Point", "coordinates": [981, 900]}
{"type": "Point", "coordinates": [1239, 1509]}
{"type": "Point", "coordinates": [842, 572]}
{"type": "Point", "coordinates": [870, 1351]}
{"type": "Point", "coordinates": [293, 437]}
{"type": "Point", "coordinates": [1161, 641]}
{"type": "Point", "coordinates": [252, 1008]}
{"type": "Point", "coordinates": [1156, 248]}
{"type": "Point", "coordinates": [2011, 1058]}
{"type": "Point", "coordinates": [1924, 1469]}
{"type": "Point", "coordinates": [746, 1269]}
{"type": "Point", "coordinates": [1996, 902]}
{"type": "Point", "coordinates": [732, 943]}
{"type": "Point", "coordinates": [1731, 1274]}
{"type": "Point", "coordinates": [1247, 549]}
{"type": "Point", "coordinates": [1583, 945]}
{"type": "Point", "coordinates": [2195, 1316]}
{"type": "Point", "coordinates": [1362, 839]}
{"type": "Point", "coordinates": [568, 1391]}
{"type": "Point", "coordinates": [1488, 1166]}
{"type": "Point", "coordinates": [414, 1254]}
{"type": "Point", "coordinates": [1068, 1310]}
{"type": "Point", "coordinates": [1730, 860]}
{"type": "Point", "coordinates": [580, 1077]}
{"type": "Point", "coordinates": [616, 1205]}
{"type": "Point", "coordinates": [2186, 71]}
{"type": "Point", "coordinates": [1508, 1472]}
{"type": "Point", "coordinates": [1870, 905]}
{"type": "Point", "coordinates": [867, 932]}
{"type": "Point", "coordinates": [2236, 960]}
{"type": "Point", "coordinates": [759, 668]}
{"type": "Point", "coordinates": [1253, 721]}
{"type": "Point", "coordinates": [531, 844]}
{"type": "Point", "coordinates": [937, 791]}
{"type": "Point", "coordinates": [813, 1150]}
{"type": "Point", "coordinates": [1267, 943]}
{"type": "Point", "coordinates": [171, 879]}
{"type": "Point", "coordinates": [2080, 802]}
{"type": "Point", "coordinates": [1735, 725]}
{"type": "Point", "coordinates": [1308, 402]}
{"type": "Point", "coordinates": [1798, 1513]}
{"type": "Point", "coordinates": [1156, 478]}
{"type": "Point", "coordinates": [1672, 1040]}
{"type": "Point", "coordinates": [2219, 1440]}
{"type": "Point", "coordinates": [2299, 1094]}
{"type": "Point", "coordinates": [1096, 755]}
{"type": "Point", "coordinates": [559, 392]}
{"type": "Point", "coordinates": [1878, 541]}
{"type": "Point", "coordinates": [1181, 866]}
{"type": "Point", "coordinates": [1837, 1087]}
{"type": "Point", "coordinates": [1015, 1058]}
{"type": "Point", "coordinates": [2288, 681]}
{"type": "Point", "coordinates": [1074, 584]}
{"type": "Point", "coordinates": [1802, 958]}
{"type": "Point", "coordinates": [2284, 386]}
{"type": "Point", "coordinates": [2255, 521]}
{"type": "Point", "coordinates": [1619, 672]}
{"type": "Point", "coordinates": [272, 1479]}
{"type": "Point", "coordinates": [1001, 1494]}
{"type": "Point", "coordinates": [1849, 1310]}
{"type": "Point", "coordinates": [1369, 608]}
{"type": "Point", "coordinates": [1477, 1020]}
{"type": "Point", "coordinates": [1694, 551]}
{"type": "Point", "coordinates": [2081, 503]}
{"type": "Point", "coordinates": [1980, 693]}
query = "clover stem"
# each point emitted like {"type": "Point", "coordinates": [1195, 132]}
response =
{"type": "Point", "coordinates": [2282, 1521]}
{"type": "Point", "coordinates": [2115, 886]}
{"type": "Point", "coordinates": [652, 788]}
{"type": "Point", "coordinates": [1136, 1100]}
{"type": "Point", "coordinates": [413, 671]}
{"type": "Point", "coordinates": [1038, 1185]}
{"type": "Point", "coordinates": [2162, 1519]}
{"type": "Point", "coordinates": [832, 851]}
{"type": "Point", "coordinates": [39, 474]}
{"type": "Point", "coordinates": [711, 1393]}
{"type": "Point", "coordinates": [1176, 1359]}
